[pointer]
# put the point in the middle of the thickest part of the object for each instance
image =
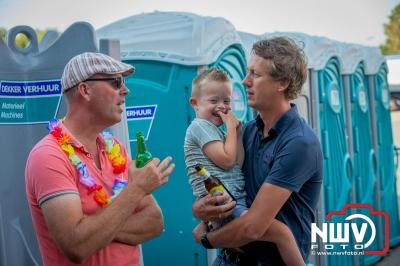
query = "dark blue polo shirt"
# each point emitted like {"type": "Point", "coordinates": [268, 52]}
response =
{"type": "Point", "coordinates": [290, 157]}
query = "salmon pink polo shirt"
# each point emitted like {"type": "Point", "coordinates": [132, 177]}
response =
{"type": "Point", "coordinates": [49, 173]}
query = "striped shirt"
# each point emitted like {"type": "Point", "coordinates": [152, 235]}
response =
{"type": "Point", "coordinates": [199, 133]}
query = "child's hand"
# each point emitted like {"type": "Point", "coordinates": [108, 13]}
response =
{"type": "Point", "coordinates": [229, 119]}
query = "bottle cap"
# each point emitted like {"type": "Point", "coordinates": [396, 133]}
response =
{"type": "Point", "coordinates": [200, 169]}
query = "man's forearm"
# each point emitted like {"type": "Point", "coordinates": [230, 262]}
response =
{"type": "Point", "coordinates": [237, 233]}
{"type": "Point", "coordinates": [87, 234]}
{"type": "Point", "coordinates": [143, 225]}
{"type": "Point", "coordinates": [252, 225]}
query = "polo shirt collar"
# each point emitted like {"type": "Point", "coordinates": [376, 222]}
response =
{"type": "Point", "coordinates": [77, 144]}
{"type": "Point", "coordinates": [286, 119]}
{"type": "Point", "coordinates": [283, 122]}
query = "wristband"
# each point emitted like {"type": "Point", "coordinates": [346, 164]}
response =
{"type": "Point", "coordinates": [205, 242]}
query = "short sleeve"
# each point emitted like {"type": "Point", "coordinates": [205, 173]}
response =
{"type": "Point", "coordinates": [294, 164]}
{"type": "Point", "coordinates": [204, 132]}
{"type": "Point", "coordinates": [49, 173]}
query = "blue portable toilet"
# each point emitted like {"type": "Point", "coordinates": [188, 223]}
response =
{"type": "Point", "coordinates": [168, 49]}
{"type": "Point", "coordinates": [360, 139]}
{"type": "Point", "coordinates": [376, 69]}
{"type": "Point", "coordinates": [327, 96]}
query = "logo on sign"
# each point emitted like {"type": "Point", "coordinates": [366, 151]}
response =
{"type": "Point", "coordinates": [30, 88]}
{"type": "Point", "coordinates": [29, 102]}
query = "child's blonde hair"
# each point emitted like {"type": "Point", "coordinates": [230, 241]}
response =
{"type": "Point", "coordinates": [209, 74]}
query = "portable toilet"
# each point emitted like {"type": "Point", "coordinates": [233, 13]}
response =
{"type": "Point", "coordinates": [361, 140]}
{"type": "Point", "coordinates": [168, 49]}
{"type": "Point", "coordinates": [30, 97]}
{"type": "Point", "coordinates": [328, 99]}
{"type": "Point", "coordinates": [376, 70]}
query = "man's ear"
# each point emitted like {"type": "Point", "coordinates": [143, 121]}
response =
{"type": "Point", "coordinates": [283, 85]}
{"type": "Point", "coordinates": [84, 90]}
{"type": "Point", "coordinates": [193, 102]}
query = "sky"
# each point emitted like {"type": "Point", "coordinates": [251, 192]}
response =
{"type": "Point", "coordinates": [355, 21]}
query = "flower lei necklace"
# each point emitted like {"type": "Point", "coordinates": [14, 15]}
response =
{"type": "Point", "coordinates": [113, 153]}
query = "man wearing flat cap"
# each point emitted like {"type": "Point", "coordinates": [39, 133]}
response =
{"type": "Point", "coordinates": [89, 203]}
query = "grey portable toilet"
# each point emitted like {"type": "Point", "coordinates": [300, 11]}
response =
{"type": "Point", "coordinates": [168, 49]}
{"type": "Point", "coordinates": [387, 196]}
{"type": "Point", "coordinates": [30, 97]}
{"type": "Point", "coordinates": [360, 137]}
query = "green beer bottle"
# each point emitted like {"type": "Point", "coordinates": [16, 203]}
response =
{"type": "Point", "coordinates": [143, 156]}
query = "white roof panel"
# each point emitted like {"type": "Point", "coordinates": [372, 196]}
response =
{"type": "Point", "coordinates": [352, 55]}
{"type": "Point", "coordinates": [373, 59]}
{"type": "Point", "coordinates": [176, 37]}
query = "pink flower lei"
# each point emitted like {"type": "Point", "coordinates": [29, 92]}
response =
{"type": "Point", "coordinates": [113, 153]}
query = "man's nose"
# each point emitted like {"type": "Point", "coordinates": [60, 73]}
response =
{"type": "Point", "coordinates": [246, 80]}
{"type": "Point", "coordinates": [124, 90]}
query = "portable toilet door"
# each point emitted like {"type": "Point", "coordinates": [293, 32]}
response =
{"type": "Point", "coordinates": [337, 162]}
{"type": "Point", "coordinates": [376, 70]}
{"type": "Point", "coordinates": [168, 49]}
{"type": "Point", "coordinates": [364, 158]}
{"type": "Point", "coordinates": [25, 112]}
{"type": "Point", "coordinates": [361, 143]}
{"type": "Point", "coordinates": [325, 78]}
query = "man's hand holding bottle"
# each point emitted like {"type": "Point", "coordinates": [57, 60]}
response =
{"type": "Point", "coordinates": [153, 175]}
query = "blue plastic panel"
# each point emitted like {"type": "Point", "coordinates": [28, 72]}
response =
{"type": "Point", "coordinates": [337, 163]}
{"type": "Point", "coordinates": [364, 159]}
{"type": "Point", "coordinates": [386, 155]}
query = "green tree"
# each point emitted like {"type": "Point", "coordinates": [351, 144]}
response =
{"type": "Point", "coordinates": [392, 31]}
